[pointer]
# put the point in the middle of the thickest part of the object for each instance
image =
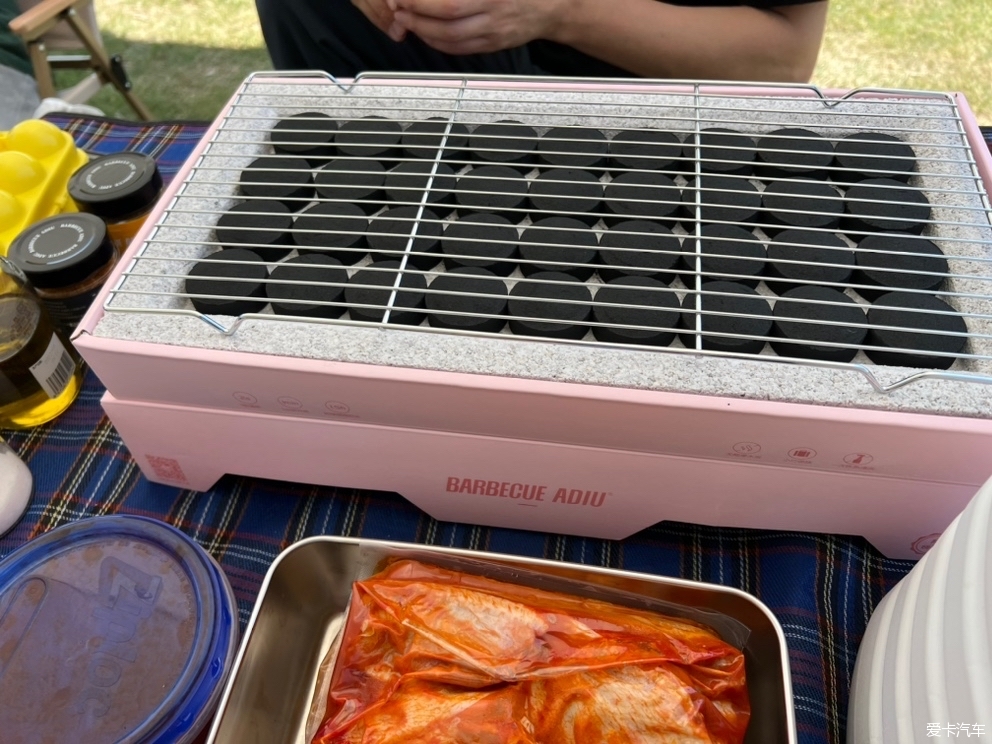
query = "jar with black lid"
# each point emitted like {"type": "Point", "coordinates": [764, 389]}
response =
{"type": "Point", "coordinates": [67, 258]}
{"type": "Point", "coordinates": [121, 189]}
{"type": "Point", "coordinates": [40, 372]}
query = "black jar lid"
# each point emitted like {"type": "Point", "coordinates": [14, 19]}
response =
{"type": "Point", "coordinates": [62, 250]}
{"type": "Point", "coordinates": [116, 186]}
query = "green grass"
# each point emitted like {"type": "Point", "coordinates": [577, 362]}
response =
{"type": "Point", "coordinates": [943, 45]}
{"type": "Point", "coordinates": [186, 57]}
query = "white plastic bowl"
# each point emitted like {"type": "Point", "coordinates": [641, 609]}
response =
{"type": "Point", "coordinates": [865, 715]}
{"type": "Point", "coordinates": [967, 641]}
{"type": "Point", "coordinates": [907, 722]}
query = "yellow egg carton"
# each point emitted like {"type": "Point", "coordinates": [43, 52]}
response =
{"type": "Point", "coordinates": [36, 160]}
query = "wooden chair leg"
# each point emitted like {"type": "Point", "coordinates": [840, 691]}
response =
{"type": "Point", "coordinates": [41, 18]}
{"type": "Point", "coordinates": [42, 70]}
{"type": "Point", "coordinates": [103, 65]}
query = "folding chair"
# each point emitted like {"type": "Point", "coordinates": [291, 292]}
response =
{"type": "Point", "coordinates": [63, 34]}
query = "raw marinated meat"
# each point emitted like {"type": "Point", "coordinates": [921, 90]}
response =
{"type": "Point", "coordinates": [435, 656]}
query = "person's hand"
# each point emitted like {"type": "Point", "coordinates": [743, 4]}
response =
{"type": "Point", "coordinates": [381, 15]}
{"type": "Point", "coordinates": [476, 26]}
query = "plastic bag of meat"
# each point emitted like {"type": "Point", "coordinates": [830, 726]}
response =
{"type": "Point", "coordinates": [436, 656]}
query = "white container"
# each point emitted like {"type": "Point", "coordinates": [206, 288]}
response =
{"type": "Point", "coordinates": [967, 637]}
{"type": "Point", "coordinates": [926, 657]}
{"type": "Point", "coordinates": [16, 487]}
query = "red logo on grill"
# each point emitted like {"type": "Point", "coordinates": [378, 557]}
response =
{"type": "Point", "coordinates": [525, 491]}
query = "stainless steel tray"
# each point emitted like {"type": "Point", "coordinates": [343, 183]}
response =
{"type": "Point", "coordinates": [304, 598]}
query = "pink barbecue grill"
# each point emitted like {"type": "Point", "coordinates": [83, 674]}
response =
{"type": "Point", "coordinates": [575, 306]}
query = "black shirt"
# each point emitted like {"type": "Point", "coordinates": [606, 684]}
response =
{"type": "Point", "coordinates": [558, 59]}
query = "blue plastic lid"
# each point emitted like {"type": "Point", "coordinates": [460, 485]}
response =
{"type": "Point", "coordinates": [112, 629]}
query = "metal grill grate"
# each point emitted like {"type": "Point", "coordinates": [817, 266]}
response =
{"type": "Point", "coordinates": [716, 220]}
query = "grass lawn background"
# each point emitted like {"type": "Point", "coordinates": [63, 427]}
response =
{"type": "Point", "coordinates": [186, 57]}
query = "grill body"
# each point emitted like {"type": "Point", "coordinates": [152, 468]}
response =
{"type": "Point", "coordinates": [577, 436]}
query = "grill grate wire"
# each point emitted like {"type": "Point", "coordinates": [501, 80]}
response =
{"type": "Point", "coordinates": [944, 172]}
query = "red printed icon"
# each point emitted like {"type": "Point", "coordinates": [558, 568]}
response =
{"type": "Point", "coordinates": [802, 453]}
{"type": "Point", "coordinates": [858, 458]}
{"type": "Point", "coordinates": [747, 448]}
{"type": "Point", "coordinates": [245, 399]}
{"type": "Point", "coordinates": [923, 544]}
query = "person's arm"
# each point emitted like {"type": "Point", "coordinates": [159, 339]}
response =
{"type": "Point", "coordinates": [646, 37]}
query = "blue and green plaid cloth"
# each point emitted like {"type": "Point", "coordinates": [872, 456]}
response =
{"type": "Point", "coordinates": [822, 588]}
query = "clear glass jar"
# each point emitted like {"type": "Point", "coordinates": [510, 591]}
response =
{"type": "Point", "coordinates": [40, 372]}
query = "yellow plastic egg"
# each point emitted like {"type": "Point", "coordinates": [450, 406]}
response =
{"type": "Point", "coordinates": [37, 138]}
{"type": "Point", "coordinates": [11, 210]}
{"type": "Point", "coordinates": [19, 172]}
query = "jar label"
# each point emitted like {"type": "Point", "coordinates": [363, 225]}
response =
{"type": "Point", "coordinates": [19, 317]}
{"type": "Point", "coordinates": [59, 241]}
{"type": "Point", "coordinates": [55, 368]}
{"type": "Point", "coordinates": [66, 312]}
{"type": "Point", "coordinates": [111, 174]}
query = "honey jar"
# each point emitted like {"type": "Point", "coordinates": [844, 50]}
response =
{"type": "Point", "coordinates": [121, 189]}
{"type": "Point", "coordinates": [66, 258]}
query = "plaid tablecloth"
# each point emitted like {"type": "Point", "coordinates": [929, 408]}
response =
{"type": "Point", "coordinates": [822, 588]}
